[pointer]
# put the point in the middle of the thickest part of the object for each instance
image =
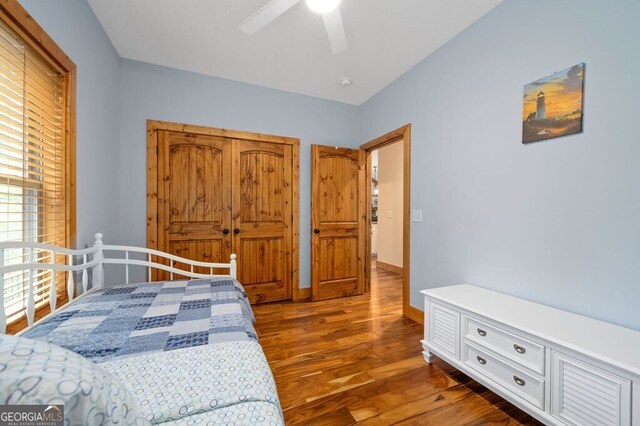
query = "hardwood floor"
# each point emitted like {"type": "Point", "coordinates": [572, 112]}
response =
{"type": "Point", "coordinates": [357, 360]}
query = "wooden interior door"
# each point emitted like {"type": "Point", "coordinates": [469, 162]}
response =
{"type": "Point", "coordinates": [262, 216]}
{"type": "Point", "coordinates": [338, 222]}
{"type": "Point", "coordinates": [194, 197]}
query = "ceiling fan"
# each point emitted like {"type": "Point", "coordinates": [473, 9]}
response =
{"type": "Point", "coordinates": [327, 8]}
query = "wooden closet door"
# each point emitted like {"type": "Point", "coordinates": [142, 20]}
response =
{"type": "Point", "coordinates": [194, 197]}
{"type": "Point", "coordinates": [262, 206]}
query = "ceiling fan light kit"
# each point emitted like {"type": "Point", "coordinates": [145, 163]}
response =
{"type": "Point", "coordinates": [327, 8]}
{"type": "Point", "coordinates": [322, 6]}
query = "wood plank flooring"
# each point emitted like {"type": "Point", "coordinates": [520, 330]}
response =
{"type": "Point", "coordinates": [357, 360]}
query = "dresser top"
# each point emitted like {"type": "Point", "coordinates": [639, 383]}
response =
{"type": "Point", "coordinates": [613, 344]}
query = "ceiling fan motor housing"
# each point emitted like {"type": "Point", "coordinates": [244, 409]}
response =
{"type": "Point", "coordinates": [322, 6]}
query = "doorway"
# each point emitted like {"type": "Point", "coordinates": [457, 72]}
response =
{"type": "Point", "coordinates": [394, 213]}
{"type": "Point", "coordinates": [386, 208]}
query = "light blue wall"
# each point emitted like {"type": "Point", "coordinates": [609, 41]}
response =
{"type": "Point", "coordinates": [154, 92]}
{"type": "Point", "coordinates": [556, 222]}
{"type": "Point", "coordinates": [74, 27]}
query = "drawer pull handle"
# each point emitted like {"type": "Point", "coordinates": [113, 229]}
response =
{"type": "Point", "coordinates": [482, 332]}
{"type": "Point", "coordinates": [519, 381]}
{"type": "Point", "coordinates": [481, 360]}
{"type": "Point", "coordinates": [519, 349]}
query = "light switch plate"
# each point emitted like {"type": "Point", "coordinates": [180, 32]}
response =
{"type": "Point", "coordinates": [416, 216]}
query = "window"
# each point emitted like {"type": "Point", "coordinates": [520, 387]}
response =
{"type": "Point", "coordinates": [36, 153]}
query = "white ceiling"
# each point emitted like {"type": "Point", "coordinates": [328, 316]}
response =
{"type": "Point", "coordinates": [386, 38]}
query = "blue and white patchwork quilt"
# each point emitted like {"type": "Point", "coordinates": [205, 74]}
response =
{"type": "Point", "coordinates": [187, 351]}
{"type": "Point", "coordinates": [151, 317]}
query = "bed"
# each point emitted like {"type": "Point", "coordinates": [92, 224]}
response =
{"type": "Point", "coordinates": [184, 350]}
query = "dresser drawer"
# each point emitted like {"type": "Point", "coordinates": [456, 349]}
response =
{"type": "Point", "coordinates": [523, 385]}
{"type": "Point", "coordinates": [518, 349]}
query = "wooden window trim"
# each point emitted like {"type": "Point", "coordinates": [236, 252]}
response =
{"type": "Point", "coordinates": [19, 20]}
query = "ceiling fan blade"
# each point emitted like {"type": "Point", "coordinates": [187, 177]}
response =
{"type": "Point", "coordinates": [265, 15]}
{"type": "Point", "coordinates": [335, 30]}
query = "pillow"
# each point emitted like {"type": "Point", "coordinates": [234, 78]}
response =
{"type": "Point", "coordinates": [37, 372]}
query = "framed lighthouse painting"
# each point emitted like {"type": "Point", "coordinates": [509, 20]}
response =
{"type": "Point", "coordinates": [553, 105]}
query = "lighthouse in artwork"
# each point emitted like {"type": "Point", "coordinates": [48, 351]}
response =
{"type": "Point", "coordinates": [541, 110]}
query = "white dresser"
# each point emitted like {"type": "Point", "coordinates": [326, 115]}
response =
{"type": "Point", "coordinates": [562, 368]}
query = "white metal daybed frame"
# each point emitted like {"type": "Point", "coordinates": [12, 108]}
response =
{"type": "Point", "coordinates": [96, 265]}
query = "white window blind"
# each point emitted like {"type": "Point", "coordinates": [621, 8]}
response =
{"type": "Point", "coordinates": [32, 164]}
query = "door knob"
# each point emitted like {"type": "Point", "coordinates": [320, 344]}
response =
{"type": "Point", "coordinates": [316, 231]}
{"type": "Point", "coordinates": [236, 231]}
{"type": "Point", "coordinates": [225, 231]}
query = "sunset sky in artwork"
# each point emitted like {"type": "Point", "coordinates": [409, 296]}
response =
{"type": "Point", "coordinates": [563, 92]}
